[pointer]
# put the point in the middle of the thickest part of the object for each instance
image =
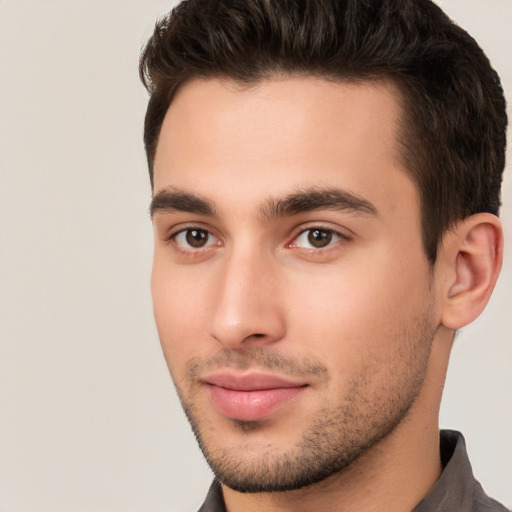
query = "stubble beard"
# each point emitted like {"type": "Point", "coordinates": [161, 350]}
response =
{"type": "Point", "coordinates": [335, 438]}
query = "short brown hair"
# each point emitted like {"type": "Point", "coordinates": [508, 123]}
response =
{"type": "Point", "coordinates": [453, 110]}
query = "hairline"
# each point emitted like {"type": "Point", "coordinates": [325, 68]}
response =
{"type": "Point", "coordinates": [398, 89]}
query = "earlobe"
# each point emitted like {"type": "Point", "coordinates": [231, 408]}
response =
{"type": "Point", "coordinates": [472, 255]}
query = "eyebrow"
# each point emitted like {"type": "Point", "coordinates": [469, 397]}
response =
{"type": "Point", "coordinates": [172, 199]}
{"type": "Point", "coordinates": [318, 199]}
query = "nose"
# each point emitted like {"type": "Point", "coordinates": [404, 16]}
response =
{"type": "Point", "coordinates": [248, 309]}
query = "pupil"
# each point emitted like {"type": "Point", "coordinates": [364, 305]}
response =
{"type": "Point", "coordinates": [318, 238]}
{"type": "Point", "coordinates": [196, 237]}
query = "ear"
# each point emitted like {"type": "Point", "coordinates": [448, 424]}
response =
{"type": "Point", "coordinates": [471, 257]}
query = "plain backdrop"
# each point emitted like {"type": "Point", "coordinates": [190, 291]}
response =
{"type": "Point", "coordinates": [88, 416]}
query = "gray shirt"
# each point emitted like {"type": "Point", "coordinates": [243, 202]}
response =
{"type": "Point", "coordinates": [457, 490]}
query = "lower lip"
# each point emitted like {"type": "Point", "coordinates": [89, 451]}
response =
{"type": "Point", "coordinates": [251, 405]}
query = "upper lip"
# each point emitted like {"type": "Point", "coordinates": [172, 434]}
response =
{"type": "Point", "coordinates": [252, 381]}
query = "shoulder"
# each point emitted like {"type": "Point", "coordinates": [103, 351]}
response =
{"type": "Point", "coordinates": [457, 490]}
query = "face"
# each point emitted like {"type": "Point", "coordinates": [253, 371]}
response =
{"type": "Point", "coordinates": [291, 291]}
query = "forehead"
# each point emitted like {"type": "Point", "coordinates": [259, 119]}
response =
{"type": "Point", "coordinates": [279, 135]}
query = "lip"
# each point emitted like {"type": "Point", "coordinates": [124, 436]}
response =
{"type": "Point", "coordinates": [251, 396]}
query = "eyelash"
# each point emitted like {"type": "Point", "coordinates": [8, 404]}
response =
{"type": "Point", "coordinates": [331, 235]}
{"type": "Point", "coordinates": [172, 239]}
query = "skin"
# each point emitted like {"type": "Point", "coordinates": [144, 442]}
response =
{"type": "Point", "coordinates": [363, 323]}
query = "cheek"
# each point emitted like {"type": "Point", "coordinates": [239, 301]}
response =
{"type": "Point", "coordinates": [179, 306]}
{"type": "Point", "coordinates": [346, 311]}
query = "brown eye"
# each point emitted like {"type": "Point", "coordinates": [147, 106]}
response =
{"type": "Point", "coordinates": [196, 237]}
{"type": "Point", "coordinates": [319, 238]}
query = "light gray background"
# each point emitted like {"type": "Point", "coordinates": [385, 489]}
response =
{"type": "Point", "coordinates": [88, 417]}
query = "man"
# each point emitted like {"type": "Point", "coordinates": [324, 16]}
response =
{"type": "Point", "coordinates": [326, 183]}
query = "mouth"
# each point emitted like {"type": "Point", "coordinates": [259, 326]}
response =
{"type": "Point", "coordinates": [251, 396]}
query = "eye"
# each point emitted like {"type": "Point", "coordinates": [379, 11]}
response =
{"type": "Point", "coordinates": [316, 238]}
{"type": "Point", "coordinates": [194, 238]}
